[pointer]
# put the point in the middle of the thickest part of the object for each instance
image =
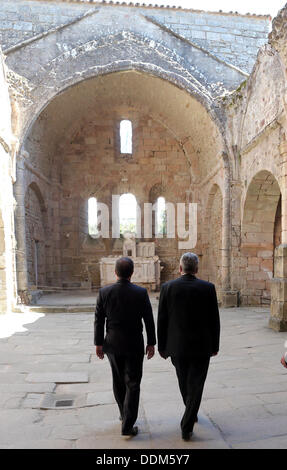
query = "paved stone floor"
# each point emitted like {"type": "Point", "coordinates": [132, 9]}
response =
{"type": "Point", "coordinates": [53, 360]}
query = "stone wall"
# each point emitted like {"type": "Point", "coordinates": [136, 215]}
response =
{"type": "Point", "coordinates": [35, 237]}
{"type": "Point", "coordinates": [91, 165]}
{"type": "Point", "coordinates": [41, 241]}
{"type": "Point", "coordinates": [7, 265]}
{"type": "Point", "coordinates": [47, 64]}
{"type": "Point", "coordinates": [232, 38]}
{"type": "Point", "coordinates": [255, 112]}
{"type": "Point", "coordinates": [214, 250]}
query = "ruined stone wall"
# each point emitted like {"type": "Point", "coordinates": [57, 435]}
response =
{"type": "Point", "coordinates": [183, 162]}
{"type": "Point", "coordinates": [90, 47]}
{"type": "Point", "coordinates": [73, 148]}
{"type": "Point", "coordinates": [255, 111]}
{"type": "Point", "coordinates": [232, 38]}
{"type": "Point", "coordinates": [7, 245]}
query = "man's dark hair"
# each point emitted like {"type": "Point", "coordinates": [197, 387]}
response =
{"type": "Point", "coordinates": [124, 267]}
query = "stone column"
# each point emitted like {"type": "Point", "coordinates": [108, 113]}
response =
{"type": "Point", "coordinates": [8, 282]}
{"type": "Point", "coordinates": [21, 257]}
{"type": "Point", "coordinates": [7, 242]}
{"type": "Point", "coordinates": [229, 297]}
{"type": "Point", "coordinates": [283, 187]}
{"type": "Point", "coordinates": [278, 320]}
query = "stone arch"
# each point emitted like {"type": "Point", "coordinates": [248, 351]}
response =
{"type": "Point", "coordinates": [137, 53]}
{"type": "Point", "coordinates": [73, 240]}
{"type": "Point", "coordinates": [148, 69]}
{"type": "Point", "coordinates": [161, 216]}
{"type": "Point", "coordinates": [166, 248]}
{"type": "Point", "coordinates": [213, 238]}
{"type": "Point", "coordinates": [260, 234]}
{"type": "Point", "coordinates": [34, 186]}
{"type": "Point", "coordinates": [278, 224]}
{"type": "Point", "coordinates": [35, 226]}
{"type": "Point", "coordinates": [156, 191]}
{"type": "Point", "coordinates": [92, 188]}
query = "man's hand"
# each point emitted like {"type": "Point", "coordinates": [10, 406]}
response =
{"type": "Point", "coordinates": [163, 355]}
{"type": "Point", "coordinates": [99, 352]}
{"type": "Point", "coordinates": [283, 362]}
{"type": "Point", "coordinates": [150, 351]}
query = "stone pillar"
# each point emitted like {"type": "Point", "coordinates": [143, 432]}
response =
{"type": "Point", "coordinates": [283, 187]}
{"type": "Point", "coordinates": [229, 297]}
{"type": "Point", "coordinates": [7, 264]}
{"type": "Point", "coordinates": [21, 257]}
{"type": "Point", "coordinates": [278, 320]}
{"type": "Point", "coordinates": [8, 283]}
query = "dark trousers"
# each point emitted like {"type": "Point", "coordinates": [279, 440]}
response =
{"type": "Point", "coordinates": [127, 374]}
{"type": "Point", "coordinates": [191, 373]}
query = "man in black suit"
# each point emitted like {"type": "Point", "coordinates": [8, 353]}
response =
{"type": "Point", "coordinates": [123, 306]}
{"type": "Point", "coordinates": [188, 332]}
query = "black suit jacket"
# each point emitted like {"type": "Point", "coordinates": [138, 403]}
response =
{"type": "Point", "coordinates": [188, 318]}
{"type": "Point", "coordinates": [123, 306]}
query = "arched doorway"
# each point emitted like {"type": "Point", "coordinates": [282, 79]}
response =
{"type": "Point", "coordinates": [260, 235]}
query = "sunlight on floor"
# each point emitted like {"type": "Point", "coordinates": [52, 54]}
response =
{"type": "Point", "coordinates": [11, 323]}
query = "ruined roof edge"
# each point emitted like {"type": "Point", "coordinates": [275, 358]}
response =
{"type": "Point", "coordinates": [161, 7]}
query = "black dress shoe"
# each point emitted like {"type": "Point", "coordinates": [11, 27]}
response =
{"type": "Point", "coordinates": [186, 435]}
{"type": "Point", "coordinates": [133, 432]}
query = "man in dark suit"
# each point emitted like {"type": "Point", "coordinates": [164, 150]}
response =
{"type": "Point", "coordinates": [123, 306]}
{"type": "Point", "coordinates": [188, 332]}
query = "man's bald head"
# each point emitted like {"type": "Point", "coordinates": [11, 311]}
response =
{"type": "Point", "coordinates": [124, 268]}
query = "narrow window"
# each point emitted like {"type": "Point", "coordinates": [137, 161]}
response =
{"type": "Point", "coordinates": [126, 133]}
{"type": "Point", "coordinates": [93, 217]}
{"type": "Point", "coordinates": [160, 216]}
{"type": "Point", "coordinates": [128, 213]}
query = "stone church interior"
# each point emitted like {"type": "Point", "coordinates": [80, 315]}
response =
{"type": "Point", "coordinates": [157, 105]}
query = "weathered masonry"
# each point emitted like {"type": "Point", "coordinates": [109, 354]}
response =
{"type": "Point", "coordinates": [205, 93]}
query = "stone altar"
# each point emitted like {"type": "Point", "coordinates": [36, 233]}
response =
{"type": "Point", "coordinates": [146, 264]}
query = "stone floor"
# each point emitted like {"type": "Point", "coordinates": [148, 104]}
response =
{"type": "Point", "coordinates": [53, 361]}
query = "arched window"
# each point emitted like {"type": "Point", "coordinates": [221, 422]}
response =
{"type": "Point", "coordinates": [128, 213]}
{"type": "Point", "coordinates": [93, 217]}
{"type": "Point", "coordinates": [126, 136]}
{"type": "Point", "coordinates": [160, 228]}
